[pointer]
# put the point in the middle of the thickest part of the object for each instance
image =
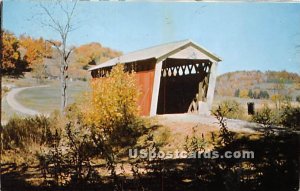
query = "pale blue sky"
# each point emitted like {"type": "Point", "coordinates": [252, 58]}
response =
{"type": "Point", "coordinates": [247, 36]}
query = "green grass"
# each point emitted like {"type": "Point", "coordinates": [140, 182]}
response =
{"type": "Point", "coordinates": [47, 99]}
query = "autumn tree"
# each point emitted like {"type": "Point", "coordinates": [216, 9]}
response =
{"type": "Point", "coordinates": [11, 56]}
{"type": "Point", "coordinates": [90, 54]}
{"type": "Point", "coordinates": [35, 52]}
{"type": "Point", "coordinates": [112, 105]}
{"type": "Point", "coordinates": [63, 26]}
{"type": "Point", "coordinates": [111, 110]}
{"type": "Point", "coordinates": [112, 99]}
{"type": "Point", "coordinates": [35, 49]}
{"type": "Point", "coordinates": [244, 93]}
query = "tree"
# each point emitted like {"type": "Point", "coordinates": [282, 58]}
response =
{"type": "Point", "coordinates": [35, 52]}
{"type": "Point", "coordinates": [111, 110]}
{"type": "Point", "coordinates": [264, 95]}
{"type": "Point", "coordinates": [11, 55]}
{"type": "Point", "coordinates": [244, 93]}
{"type": "Point", "coordinates": [113, 100]}
{"type": "Point", "coordinates": [112, 105]}
{"type": "Point", "coordinates": [90, 54]}
{"type": "Point", "coordinates": [63, 26]}
{"type": "Point", "coordinates": [250, 94]}
{"type": "Point", "coordinates": [237, 93]}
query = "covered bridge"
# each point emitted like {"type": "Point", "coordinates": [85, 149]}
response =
{"type": "Point", "coordinates": [176, 77]}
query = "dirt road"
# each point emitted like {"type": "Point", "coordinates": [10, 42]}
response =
{"type": "Point", "coordinates": [15, 105]}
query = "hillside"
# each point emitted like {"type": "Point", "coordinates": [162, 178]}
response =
{"type": "Point", "coordinates": [40, 58]}
{"type": "Point", "coordinates": [229, 84]}
{"type": "Point", "coordinates": [80, 60]}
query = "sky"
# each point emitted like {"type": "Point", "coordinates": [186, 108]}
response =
{"type": "Point", "coordinates": [247, 36]}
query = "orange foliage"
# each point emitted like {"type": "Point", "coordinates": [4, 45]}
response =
{"type": "Point", "coordinates": [36, 50]}
{"type": "Point", "coordinates": [93, 53]}
{"type": "Point", "coordinates": [11, 55]}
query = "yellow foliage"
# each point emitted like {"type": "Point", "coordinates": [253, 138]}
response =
{"type": "Point", "coordinates": [112, 100]}
{"type": "Point", "coordinates": [244, 93]}
{"type": "Point", "coordinates": [276, 97]}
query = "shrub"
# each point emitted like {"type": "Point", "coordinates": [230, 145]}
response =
{"type": "Point", "coordinates": [68, 156]}
{"type": "Point", "coordinates": [162, 135]}
{"type": "Point", "coordinates": [21, 132]}
{"type": "Point", "coordinates": [265, 116]}
{"type": "Point", "coordinates": [230, 109]}
{"type": "Point", "coordinates": [287, 116]}
{"type": "Point", "coordinates": [290, 117]}
{"type": "Point", "coordinates": [194, 143]}
{"type": "Point", "coordinates": [225, 136]}
{"type": "Point", "coordinates": [4, 90]}
{"type": "Point", "coordinates": [298, 98]}
{"type": "Point", "coordinates": [112, 109]}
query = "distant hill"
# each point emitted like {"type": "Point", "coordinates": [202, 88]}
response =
{"type": "Point", "coordinates": [80, 60]}
{"type": "Point", "coordinates": [229, 83]}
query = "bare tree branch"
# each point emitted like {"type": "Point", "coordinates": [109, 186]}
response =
{"type": "Point", "coordinates": [63, 27]}
{"type": "Point", "coordinates": [68, 54]}
{"type": "Point", "coordinates": [55, 45]}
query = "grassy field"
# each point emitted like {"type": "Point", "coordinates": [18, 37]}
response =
{"type": "Point", "coordinates": [47, 99]}
{"type": "Point", "coordinates": [259, 103]}
{"type": "Point", "coordinates": [42, 99]}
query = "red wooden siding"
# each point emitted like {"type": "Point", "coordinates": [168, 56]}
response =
{"type": "Point", "coordinates": [145, 82]}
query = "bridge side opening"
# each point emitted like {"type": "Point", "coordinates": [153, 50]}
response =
{"type": "Point", "coordinates": [183, 83]}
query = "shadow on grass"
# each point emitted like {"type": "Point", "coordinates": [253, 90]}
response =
{"type": "Point", "coordinates": [275, 167]}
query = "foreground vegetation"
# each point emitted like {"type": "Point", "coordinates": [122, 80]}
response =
{"type": "Point", "coordinates": [287, 116]}
{"type": "Point", "coordinates": [70, 160]}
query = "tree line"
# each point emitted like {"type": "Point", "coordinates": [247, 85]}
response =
{"type": "Point", "coordinates": [28, 54]}
{"type": "Point", "coordinates": [254, 94]}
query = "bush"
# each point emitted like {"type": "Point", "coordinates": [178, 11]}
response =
{"type": "Point", "coordinates": [20, 132]}
{"type": "Point", "coordinates": [290, 117]}
{"type": "Point", "coordinates": [287, 116]}
{"type": "Point", "coordinates": [298, 98]}
{"type": "Point", "coordinates": [4, 90]}
{"type": "Point", "coordinates": [265, 116]}
{"type": "Point", "coordinates": [230, 109]}
{"type": "Point", "coordinates": [162, 136]}
{"type": "Point", "coordinates": [112, 109]}
{"type": "Point", "coordinates": [67, 158]}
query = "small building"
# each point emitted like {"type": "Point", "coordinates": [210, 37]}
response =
{"type": "Point", "coordinates": [177, 77]}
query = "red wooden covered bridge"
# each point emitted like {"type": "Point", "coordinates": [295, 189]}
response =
{"type": "Point", "coordinates": [176, 77]}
